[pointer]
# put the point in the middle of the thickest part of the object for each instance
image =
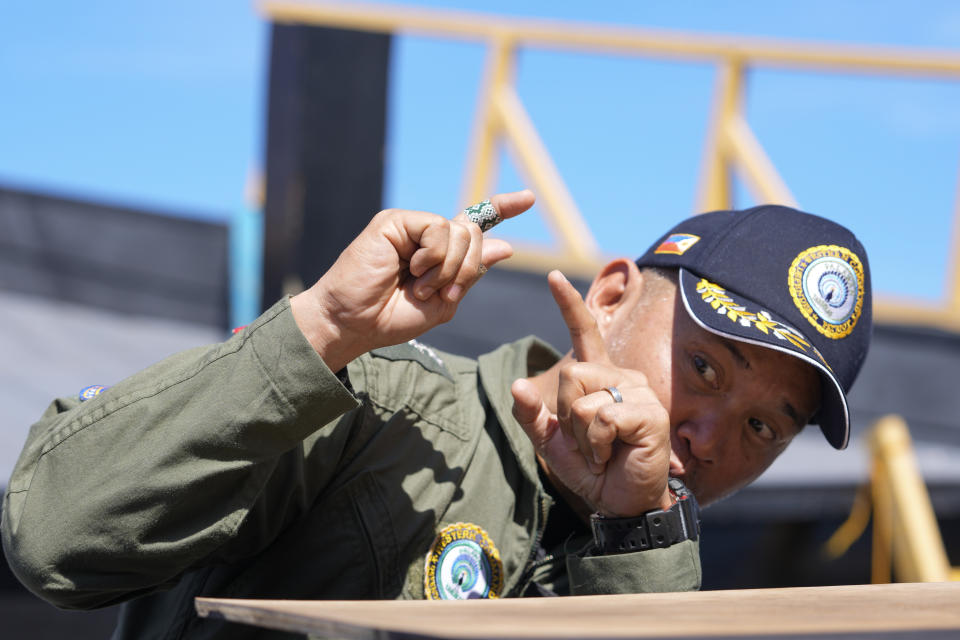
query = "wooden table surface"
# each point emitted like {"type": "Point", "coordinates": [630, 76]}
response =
{"type": "Point", "coordinates": [856, 610]}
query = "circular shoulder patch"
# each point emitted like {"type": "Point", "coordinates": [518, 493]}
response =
{"type": "Point", "coordinates": [462, 564]}
{"type": "Point", "coordinates": [88, 393]}
{"type": "Point", "coordinates": [826, 284]}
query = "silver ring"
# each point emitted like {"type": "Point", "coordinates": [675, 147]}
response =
{"type": "Point", "coordinates": [484, 215]}
{"type": "Point", "coordinates": [481, 269]}
{"type": "Point", "coordinates": [613, 391]}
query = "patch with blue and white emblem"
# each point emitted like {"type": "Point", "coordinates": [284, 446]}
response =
{"type": "Point", "coordinates": [463, 564]}
{"type": "Point", "coordinates": [826, 284]}
{"type": "Point", "coordinates": [91, 392]}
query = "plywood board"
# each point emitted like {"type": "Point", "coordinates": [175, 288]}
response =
{"type": "Point", "coordinates": [856, 609]}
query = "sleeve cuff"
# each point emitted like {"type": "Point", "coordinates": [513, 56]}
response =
{"type": "Point", "coordinates": [675, 568]}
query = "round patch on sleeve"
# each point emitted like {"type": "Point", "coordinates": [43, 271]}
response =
{"type": "Point", "coordinates": [826, 284]}
{"type": "Point", "coordinates": [463, 564]}
{"type": "Point", "coordinates": [88, 393]}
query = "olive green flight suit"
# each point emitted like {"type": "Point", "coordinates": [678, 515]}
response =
{"type": "Point", "coordinates": [247, 469]}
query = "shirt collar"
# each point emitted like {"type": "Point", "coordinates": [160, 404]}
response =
{"type": "Point", "coordinates": [498, 369]}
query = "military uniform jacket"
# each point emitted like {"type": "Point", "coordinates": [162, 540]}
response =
{"type": "Point", "coordinates": [248, 469]}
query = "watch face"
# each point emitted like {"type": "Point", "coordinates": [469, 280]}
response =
{"type": "Point", "coordinates": [676, 485]}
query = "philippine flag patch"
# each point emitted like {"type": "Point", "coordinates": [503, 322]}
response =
{"type": "Point", "coordinates": [677, 243]}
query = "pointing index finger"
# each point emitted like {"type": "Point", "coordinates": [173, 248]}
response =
{"type": "Point", "coordinates": [588, 344]}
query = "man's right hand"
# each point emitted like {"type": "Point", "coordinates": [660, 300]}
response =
{"type": "Point", "coordinates": [615, 456]}
{"type": "Point", "coordinates": [405, 273]}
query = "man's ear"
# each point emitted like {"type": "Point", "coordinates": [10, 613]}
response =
{"type": "Point", "coordinates": [616, 287]}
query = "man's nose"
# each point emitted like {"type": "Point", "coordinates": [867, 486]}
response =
{"type": "Point", "coordinates": [705, 434]}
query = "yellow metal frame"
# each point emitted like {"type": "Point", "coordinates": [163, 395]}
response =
{"type": "Point", "coordinates": [730, 147]}
{"type": "Point", "coordinates": [906, 538]}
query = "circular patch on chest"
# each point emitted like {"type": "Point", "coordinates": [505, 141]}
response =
{"type": "Point", "coordinates": [462, 564]}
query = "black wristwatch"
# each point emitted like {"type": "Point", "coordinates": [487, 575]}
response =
{"type": "Point", "coordinates": [652, 530]}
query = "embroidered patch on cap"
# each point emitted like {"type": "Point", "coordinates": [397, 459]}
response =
{"type": "Point", "coordinates": [826, 284]}
{"type": "Point", "coordinates": [462, 564]}
{"type": "Point", "coordinates": [677, 243]}
{"type": "Point", "coordinates": [88, 393]}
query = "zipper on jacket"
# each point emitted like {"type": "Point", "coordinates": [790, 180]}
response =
{"type": "Point", "coordinates": [545, 560]}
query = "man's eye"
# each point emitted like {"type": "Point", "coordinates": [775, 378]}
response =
{"type": "Point", "coordinates": [762, 429]}
{"type": "Point", "coordinates": [706, 371]}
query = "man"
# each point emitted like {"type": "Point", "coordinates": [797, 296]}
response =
{"type": "Point", "coordinates": [309, 457]}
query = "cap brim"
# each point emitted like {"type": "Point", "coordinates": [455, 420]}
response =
{"type": "Point", "coordinates": [735, 316]}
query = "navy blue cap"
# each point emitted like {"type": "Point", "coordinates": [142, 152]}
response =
{"type": "Point", "coordinates": [783, 279]}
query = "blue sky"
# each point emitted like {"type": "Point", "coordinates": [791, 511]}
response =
{"type": "Point", "coordinates": [162, 105]}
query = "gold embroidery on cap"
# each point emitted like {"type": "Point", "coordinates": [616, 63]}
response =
{"type": "Point", "coordinates": [719, 299]}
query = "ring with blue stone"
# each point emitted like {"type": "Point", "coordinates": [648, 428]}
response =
{"type": "Point", "coordinates": [484, 215]}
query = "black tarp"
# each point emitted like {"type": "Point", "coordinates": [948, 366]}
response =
{"type": "Point", "coordinates": [113, 257]}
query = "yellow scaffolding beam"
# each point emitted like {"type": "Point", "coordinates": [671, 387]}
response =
{"type": "Point", "coordinates": [905, 532]}
{"type": "Point", "coordinates": [556, 34]}
{"type": "Point", "coordinates": [907, 545]}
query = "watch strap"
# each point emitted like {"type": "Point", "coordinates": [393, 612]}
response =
{"type": "Point", "coordinates": [655, 529]}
